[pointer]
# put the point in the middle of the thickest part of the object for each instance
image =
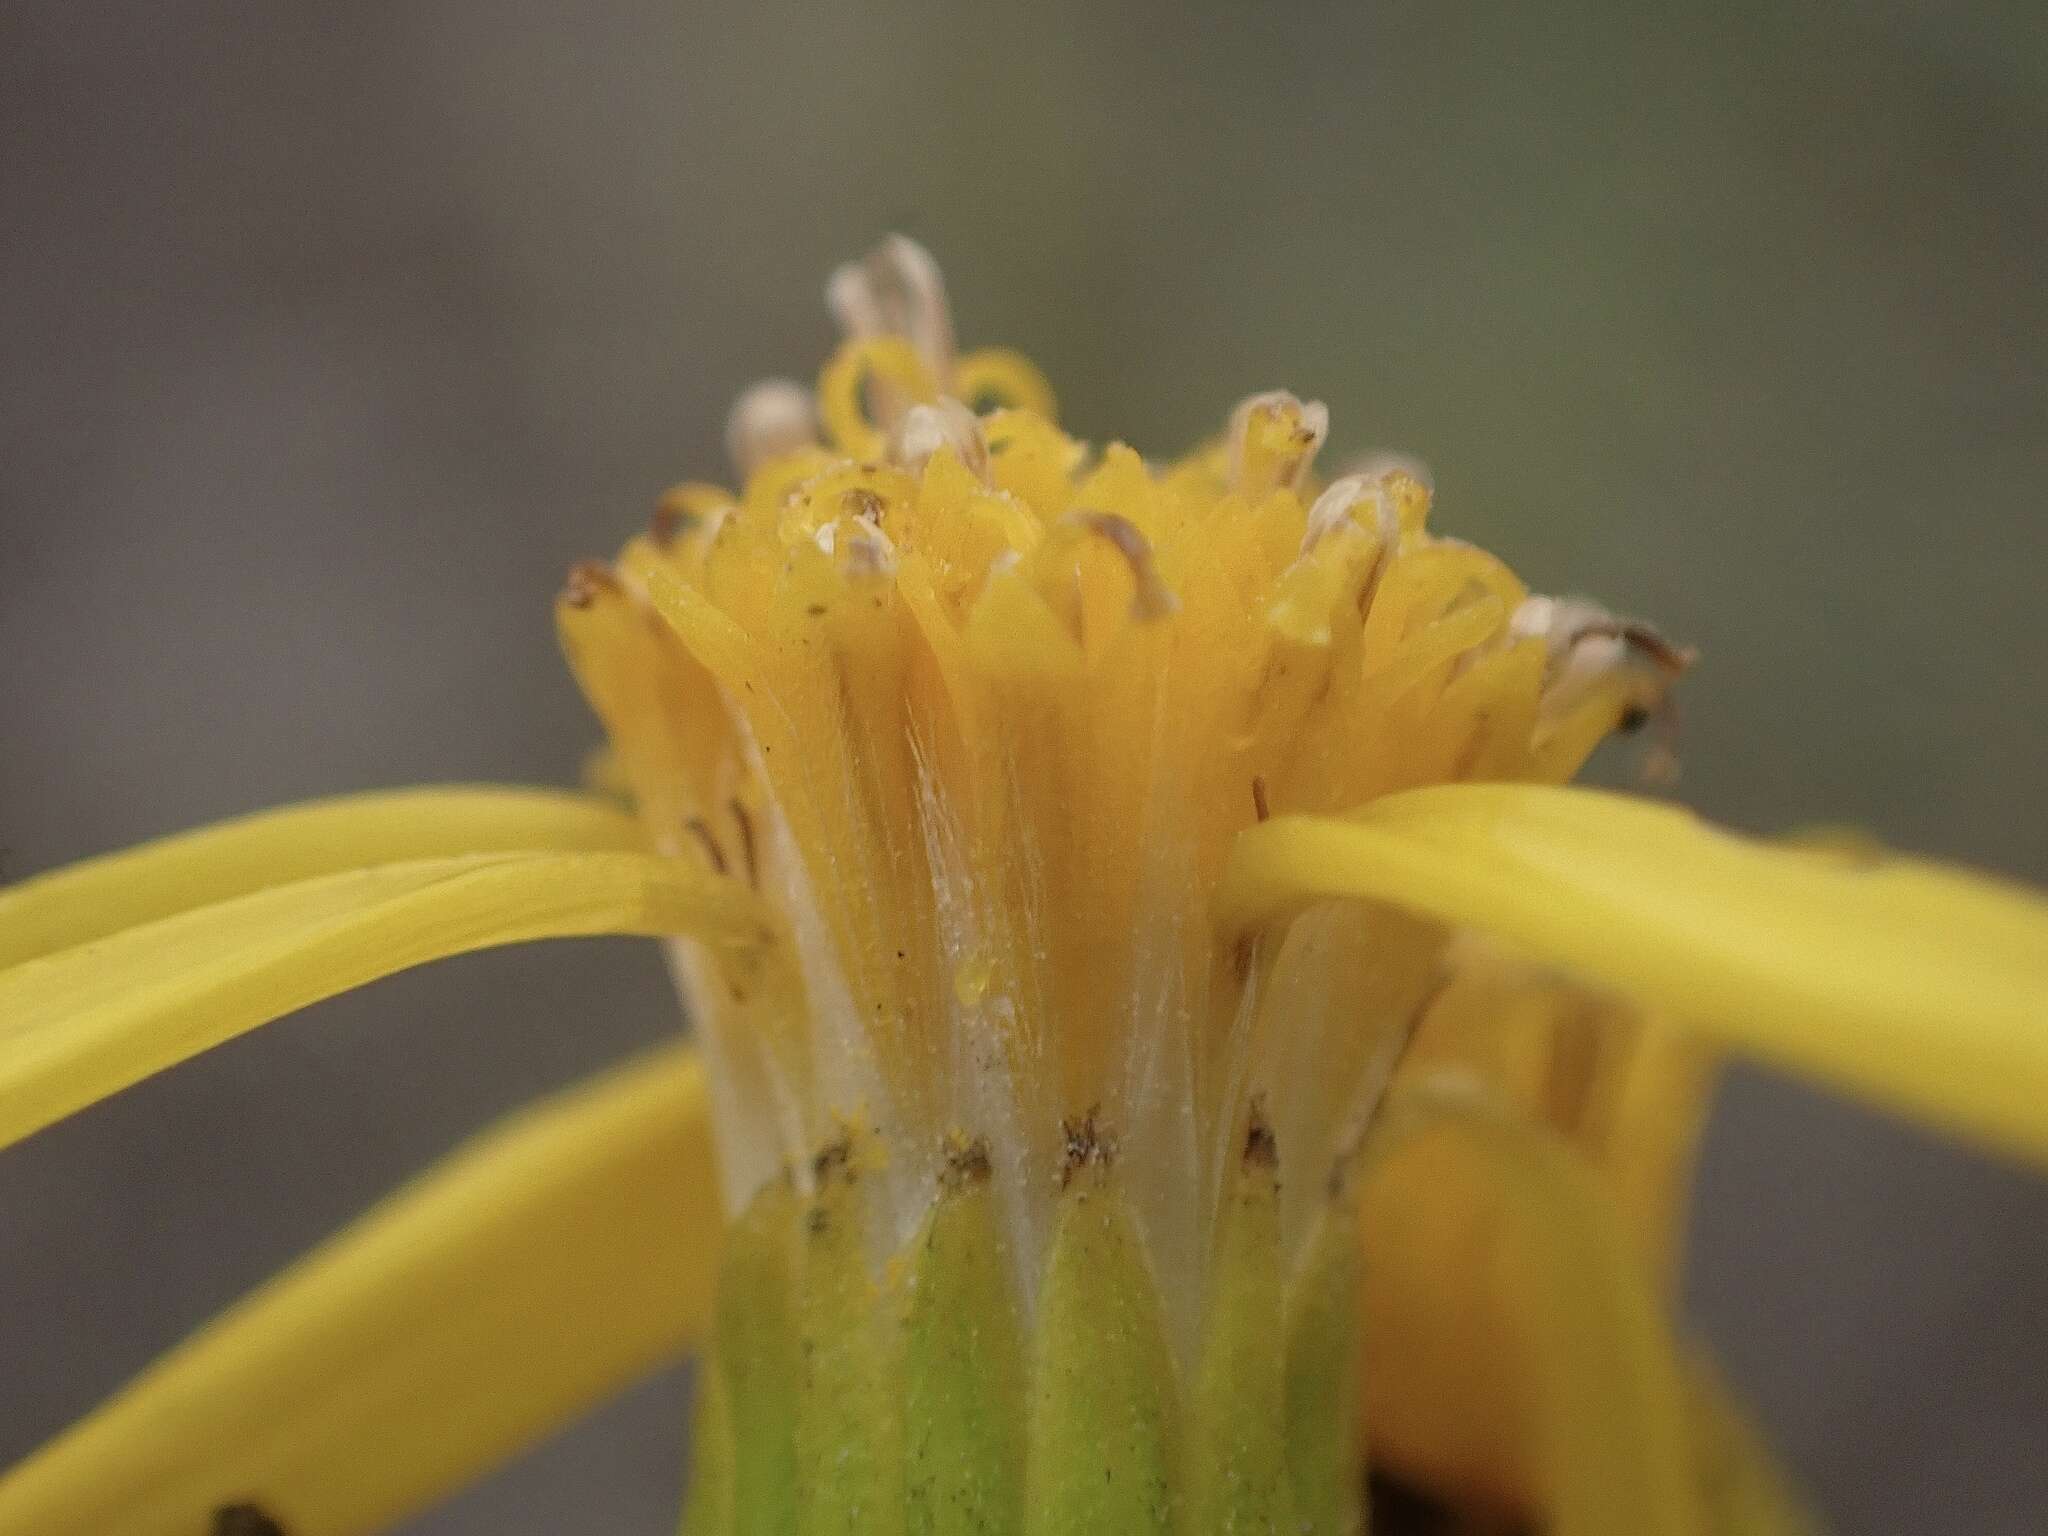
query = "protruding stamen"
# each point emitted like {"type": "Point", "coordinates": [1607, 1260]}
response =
{"type": "Point", "coordinates": [1604, 674]}
{"type": "Point", "coordinates": [1590, 648]}
{"type": "Point", "coordinates": [896, 290]}
{"type": "Point", "coordinates": [867, 386]}
{"type": "Point", "coordinates": [1408, 483]}
{"type": "Point", "coordinates": [1386, 463]}
{"type": "Point", "coordinates": [770, 419]}
{"type": "Point", "coordinates": [1273, 440]}
{"type": "Point", "coordinates": [1340, 499]}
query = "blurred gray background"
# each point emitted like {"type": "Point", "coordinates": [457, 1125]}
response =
{"type": "Point", "coordinates": [332, 334]}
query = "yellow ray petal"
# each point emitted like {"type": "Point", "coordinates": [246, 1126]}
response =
{"type": "Point", "coordinates": [1922, 987]}
{"type": "Point", "coordinates": [545, 1265]}
{"type": "Point", "coordinates": [1746, 1493]}
{"type": "Point", "coordinates": [1628, 1089]}
{"type": "Point", "coordinates": [77, 1025]}
{"type": "Point", "coordinates": [1548, 1317]}
{"type": "Point", "coordinates": [1449, 1393]}
{"type": "Point", "coordinates": [119, 890]}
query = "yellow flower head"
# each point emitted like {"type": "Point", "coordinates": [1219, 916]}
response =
{"type": "Point", "coordinates": [1141, 949]}
{"type": "Point", "coordinates": [981, 708]}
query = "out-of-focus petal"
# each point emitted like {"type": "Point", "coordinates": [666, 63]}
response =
{"type": "Point", "coordinates": [1515, 1349]}
{"type": "Point", "coordinates": [541, 1267]}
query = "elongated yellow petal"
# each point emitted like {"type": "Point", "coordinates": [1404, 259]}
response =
{"type": "Point", "coordinates": [1550, 1296]}
{"type": "Point", "coordinates": [138, 885]}
{"type": "Point", "coordinates": [1923, 987]}
{"type": "Point", "coordinates": [543, 1266]}
{"type": "Point", "coordinates": [1745, 1491]}
{"type": "Point", "coordinates": [80, 1024]}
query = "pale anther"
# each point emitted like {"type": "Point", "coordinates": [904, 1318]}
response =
{"type": "Point", "coordinates": [770, 419]}
{"type": "Point", "coordinates": [896, 290]}
{"type": "Point", "coordinates": [1333, 510]}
